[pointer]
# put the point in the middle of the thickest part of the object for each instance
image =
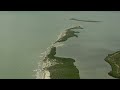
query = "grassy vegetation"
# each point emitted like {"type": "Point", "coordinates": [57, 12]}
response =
{"type": "Point", "coordinates": [114, 61]}
{"type": "Point", "coordinates": [64, 69]}
{"type": "Point", "coordinates": [68, 34]}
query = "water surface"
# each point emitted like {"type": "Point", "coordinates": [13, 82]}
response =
{"type": "Point", "coordinates": [24, 35]}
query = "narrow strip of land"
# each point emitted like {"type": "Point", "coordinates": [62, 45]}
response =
{"type": "Point", "coordinates": [60, 67]}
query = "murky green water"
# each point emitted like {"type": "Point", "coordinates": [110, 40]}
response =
{"type": "Point", "coordinates": [24, 35]}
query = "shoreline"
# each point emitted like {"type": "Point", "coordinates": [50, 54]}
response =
{"type": "Point", "coordinates": [114, 61]}
{"type": "Point", "coordinates": [55, 67]}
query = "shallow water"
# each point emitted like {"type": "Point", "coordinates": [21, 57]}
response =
{"type": "Point", "coordinates": [93, 45]}
{"type": "Point", "coordinates": [24, 35]}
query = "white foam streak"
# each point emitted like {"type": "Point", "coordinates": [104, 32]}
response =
{"type": "Point", "coordinates": [40, 72]}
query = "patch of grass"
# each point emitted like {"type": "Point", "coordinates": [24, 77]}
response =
{"type": "Point", "coordinates": [114, 61]}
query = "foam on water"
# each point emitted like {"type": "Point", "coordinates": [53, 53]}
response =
{"type": "Point", "coordinates": [39, 70]}
{"type": "Point", "coordinates": [40, 74]}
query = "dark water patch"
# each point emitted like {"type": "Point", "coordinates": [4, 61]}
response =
{"type": "Point", "coordinates": [83, 20]}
